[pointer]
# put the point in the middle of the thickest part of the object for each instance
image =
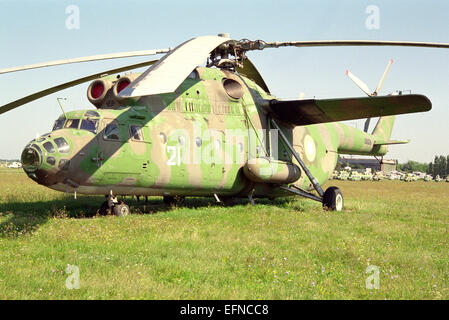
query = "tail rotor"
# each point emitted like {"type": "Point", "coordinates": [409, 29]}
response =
{"type": "Point", "coordinates": [363, 86]}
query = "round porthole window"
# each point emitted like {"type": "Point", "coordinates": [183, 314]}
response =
{"type": "Point", "coordinates": [163, 137]}
{"type": "Point", "coordinates": [217, 145]}
{"type": "Point", "coordinates": [181, 140]}
{"type": "Point", "coordinates": [233, 88]}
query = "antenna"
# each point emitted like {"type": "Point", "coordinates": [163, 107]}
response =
{"type": "Point", "coordinates": [59, 102]}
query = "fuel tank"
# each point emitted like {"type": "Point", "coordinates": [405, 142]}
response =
{"type": "Point", "coordinates": [269, 170]}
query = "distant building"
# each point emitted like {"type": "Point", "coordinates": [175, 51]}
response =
{"type": "Point", "coordinates": [15, 165]}
{"type": "Point", "coordinates": [384, 165]}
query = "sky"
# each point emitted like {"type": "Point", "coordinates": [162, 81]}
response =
{"type": "Point", "coordinates": [32, 32]}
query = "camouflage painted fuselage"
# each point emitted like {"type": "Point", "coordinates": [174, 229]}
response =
{"type": "Point", "coordinates": [195, 141]}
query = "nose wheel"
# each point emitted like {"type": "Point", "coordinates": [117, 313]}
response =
{"type": "Point", "coordinates": [121, 210]}
{"type": "Point", "coordinates": [113, 206]}
{"type": "Point", "coordinates": [333, 199]}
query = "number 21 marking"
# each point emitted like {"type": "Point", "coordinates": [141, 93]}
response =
{"type": "Point", "coordinates": [175, 156]}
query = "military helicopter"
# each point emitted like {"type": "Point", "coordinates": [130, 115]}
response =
{"type": "Point", "coordinates": [180, 130]}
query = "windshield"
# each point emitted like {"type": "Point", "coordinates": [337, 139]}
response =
{"type": "Point", "coordinates": [72, 123]}
{"type": "Point", "coordinates": [58, 124]}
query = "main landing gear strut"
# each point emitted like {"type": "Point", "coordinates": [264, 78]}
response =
{"type": "Point", "coordinates": [114, 206]}
{"type": "Point", "coordinates": [332, 198]}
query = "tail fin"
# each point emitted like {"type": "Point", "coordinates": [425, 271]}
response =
{"type": "Point", "coordinates": [382, 133]}
{"type": "Point", "coordinates": [383, 129]}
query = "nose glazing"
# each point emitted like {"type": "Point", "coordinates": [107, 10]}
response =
{"type": "Point", "coordinates": [31, 159]}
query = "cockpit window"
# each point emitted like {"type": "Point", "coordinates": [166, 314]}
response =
{"type": "Point", "coordinates": [63, 146]}
{"type": "Point", "coordinates": [89, 125]}
{"type": "Point", "coordinates": [92, 113]}
{"type": "Point", "coordinates": [72, 123]}
{"type": "Point", "coordinates": [58, 124]}
{"type": "Point", "coordinates": [136, 132]}
{"type": "Point", "coordinates": [111, 132]}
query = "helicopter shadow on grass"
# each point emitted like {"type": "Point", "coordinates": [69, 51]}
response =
{"type": "Point", "coordinates": [21, 218]}
{"type": "Point", "coordinates": [24, 218]}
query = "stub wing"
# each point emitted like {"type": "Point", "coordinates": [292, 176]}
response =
{"type": "Point", "coordinates": [313, 111]}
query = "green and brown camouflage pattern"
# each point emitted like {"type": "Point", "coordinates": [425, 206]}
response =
{"type": "Point", "coordinates": [197, 142]}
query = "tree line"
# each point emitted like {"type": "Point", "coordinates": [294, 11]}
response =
{"type": "Point", "coordinates": [439, 166]}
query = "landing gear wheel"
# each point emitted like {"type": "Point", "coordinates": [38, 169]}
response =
{"type": "Point", "coordinates": [333, 199]}
{"type": "Point", "coordinates": [121, 210]}
{"type": "Point", "coordinates": [174, 200]}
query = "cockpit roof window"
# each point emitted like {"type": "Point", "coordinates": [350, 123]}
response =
{"type": "Point", "coordinates": [92, 113]}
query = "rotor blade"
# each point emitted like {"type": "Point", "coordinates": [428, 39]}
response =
{"type": "Point", "coordinates": [48, 91]}
{"type": "Point", "coordinates": [381, 82]}
{"type": "Point", "coordinates": [366, 127]}
{"type": "Point", "coordinates": [333, 43]}
{"type": "Point", "coordinates": [170, 71]}
{"type": "Point", "coordinates": [86, 59]}
{"type": "Point", "coordinates": [362, 85]}
{"type": "Point", "coordinates": [250, 71]}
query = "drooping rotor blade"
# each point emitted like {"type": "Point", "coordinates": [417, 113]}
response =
{"type": "Point", "coordinates": [366, 126]}
{"type": "Point", "coordinates": [171, 70]}
{"type": "Point", "coordinates": [86, 59]}
{"type": "Point", "coordinates": [48, 91]}
{"type": "Point", "coordinates": [259, 45]}
{"type": "Point", "coordinates": [362, 85]}
{"type": "Point", "coordinates": [312, 111]}
{"type": "Point", "coordinates": [381, 82]}
{"type": "Point", "coordinates": [250, 71]}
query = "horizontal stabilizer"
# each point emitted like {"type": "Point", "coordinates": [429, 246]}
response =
{"type": "Point", "coordinates": [312, 111]}
{"type": "Point", "coordinates": [388, 142]}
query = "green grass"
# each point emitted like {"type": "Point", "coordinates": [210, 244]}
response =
{"type": "Point", "coordinates": [287, 249]}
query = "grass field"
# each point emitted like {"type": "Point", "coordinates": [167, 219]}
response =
{"type": "Point", "coordinates": [287, 249]}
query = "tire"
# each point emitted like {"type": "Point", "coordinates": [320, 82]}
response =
{"type": "Point", "coordinates": [333, 199]}
{"type": "Point", "coordinates": [121, 210]}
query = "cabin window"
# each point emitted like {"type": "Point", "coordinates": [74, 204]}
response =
{"type": "Point", "coordinates": [240, 147]}
{"type": "Point", "coordinates": [181, 140]}
{"type": "Point", "coordinates": [49, 147]}
{"type": "Point", "coordinates": [63, 146]}
{"type": "Point", "coordinates": [72, 123]}
{"type": "Point", "coordinates": [89, 125]}
{"type": "Point", "coordinates": [111, 132]}
{"type": "Point", "coordinates": [198, 141]}
{"type": "Point", "coordinates": [217, 144]}
{"type": "Point", "coordinates": [136, 132]}
{"type": "Point", "coordinates": [163, 137]}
